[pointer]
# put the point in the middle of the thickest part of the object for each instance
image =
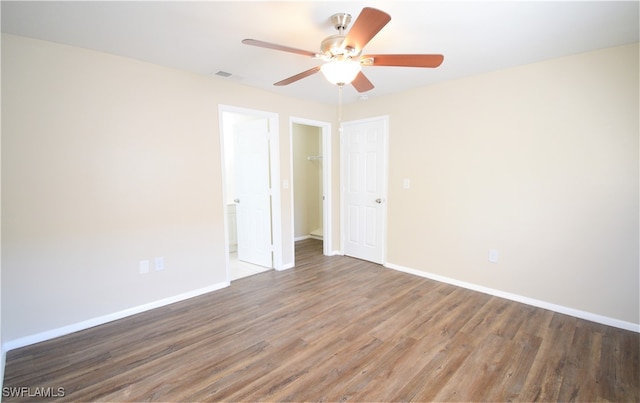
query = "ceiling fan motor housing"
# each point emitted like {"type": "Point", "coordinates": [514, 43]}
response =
{"type": "Point", "coordinates": [332, 46]}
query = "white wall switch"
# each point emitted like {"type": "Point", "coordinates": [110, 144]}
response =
{"type": "Point", "coordinates": [159, 261]}
{"type": "Point", "coordinates": [493, 256]}
{"type": "Point", "coordinates": [406, 183]}
{"type": "Point", "coordinates": [144, 266]}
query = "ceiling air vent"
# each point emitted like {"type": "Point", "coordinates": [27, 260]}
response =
{"type": "Point", "coordinates": [223, 74]}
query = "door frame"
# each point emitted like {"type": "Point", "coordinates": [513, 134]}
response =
{"type": "Point", "coordinates": [385, 180]}
{"type": "Point", "coordinates": [274, 167]}
{"type": "Point", "coordinates": [326, 181]}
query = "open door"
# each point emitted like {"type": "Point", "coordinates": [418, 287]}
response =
{"type": "Point", "coordinates": [253, 192]}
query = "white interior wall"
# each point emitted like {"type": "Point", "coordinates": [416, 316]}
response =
{"type": "Point", "coordinates": [538, 162]}
{"type": "Point", "coordinates": [2, 350]}
{"type": "Point", "coordinates": [108, 161]}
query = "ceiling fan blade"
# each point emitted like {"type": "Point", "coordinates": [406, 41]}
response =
{"type": "Point", "coordinates": [297, 77]}
{"type": "Point", "coordinates": [406, 60]}
{"type": "Point", "coordinates": [268, 45]}
{"type": "Point", "coordinates": [361, 83]}
{"type": "Point", "coordinates": [367, 25]}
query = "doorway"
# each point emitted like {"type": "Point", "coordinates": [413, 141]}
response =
{"type": "Point", "coordinates": [311, 175]}
{"type": "Point", "coordinates": [307, 182]}
{"type": "Point", "coordinates": [251, 203]}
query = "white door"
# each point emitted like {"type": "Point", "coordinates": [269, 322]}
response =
{"type": "Point", "coordinates": [364, 193]}
{"type": "Point", "coordinates": [253, 193]}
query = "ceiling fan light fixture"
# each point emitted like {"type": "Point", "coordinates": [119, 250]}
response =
{"type": "Point", "coordinates": [341, 72]}
{"type": "Point", "coordinates": [342, 52]}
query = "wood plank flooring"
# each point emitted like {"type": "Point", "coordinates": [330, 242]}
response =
{"type": "Point", "coordinates": [336, 329]}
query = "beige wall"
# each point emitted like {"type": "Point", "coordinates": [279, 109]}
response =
{"type": "Point", "coordinates": [539, 162]}
{"type": "Point", "coordinates": [2, 352]}
{"type": "Point", "coordinates": [107, 161]}
{"type": "Point", "coordinates": [307, 175]}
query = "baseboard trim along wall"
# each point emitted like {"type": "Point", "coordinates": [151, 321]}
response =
{"type": "Point", "coordinates": [286, 267]}
{"type": "Point", "coordinates": [61, 331]}
{"type": "Point", "coordinates": [51, 334]}
{"type": "Point", "coordinates": [605, 320]}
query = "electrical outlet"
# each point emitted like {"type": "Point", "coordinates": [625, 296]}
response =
{"type": "Point", "coordinates": [144, 266]}
{"type": "Point", "coordinates": [159, 262]}
{"type": "Point", "coordinates": [493, 256]}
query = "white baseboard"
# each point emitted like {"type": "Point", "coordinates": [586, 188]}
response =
{"type": "Point", "coordinates": [61, 331]}
{"type": "Point", "coordinates": [605, 320]}
{"type": "Point", "coordinates": [286, 267]}
{"type": "Point", "coordinates": [310, 236]}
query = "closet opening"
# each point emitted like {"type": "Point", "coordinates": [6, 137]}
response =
{"type": "Point", "coordinates": [310, 159]}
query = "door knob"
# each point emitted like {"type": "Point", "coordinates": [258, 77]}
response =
{"type": "Point", "coordinates": [236, 200]}
{"type": "Point", "coordinates": [379, 201]}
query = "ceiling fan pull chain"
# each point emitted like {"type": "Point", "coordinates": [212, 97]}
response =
{"type": "Point", "coordinates": [340, 108]}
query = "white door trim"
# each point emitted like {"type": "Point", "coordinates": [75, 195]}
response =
{"type": "Point", "coordinates": [326, 180]}
{"type": "Point", "coordinates": [274, 158]}
{"type": "Point", "coordinates": [385, 180]}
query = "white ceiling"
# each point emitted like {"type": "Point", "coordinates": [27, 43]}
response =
{"type": "Point", "coordinates": [205, 36]}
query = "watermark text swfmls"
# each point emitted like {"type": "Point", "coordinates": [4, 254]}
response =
{"type": "Point", "coordinates": [28, 391]}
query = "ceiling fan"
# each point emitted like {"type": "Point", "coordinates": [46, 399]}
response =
{"type": "Point", "coordinates": [343, 53]}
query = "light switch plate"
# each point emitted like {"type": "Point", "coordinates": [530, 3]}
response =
{"type": "Point", "coordinates": [493, 256]}
{"type": "Point", "coordinates": [159, 263]}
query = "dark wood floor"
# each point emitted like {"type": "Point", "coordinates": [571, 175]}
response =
{"type": "Point", "coordinates": [333, 329]}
